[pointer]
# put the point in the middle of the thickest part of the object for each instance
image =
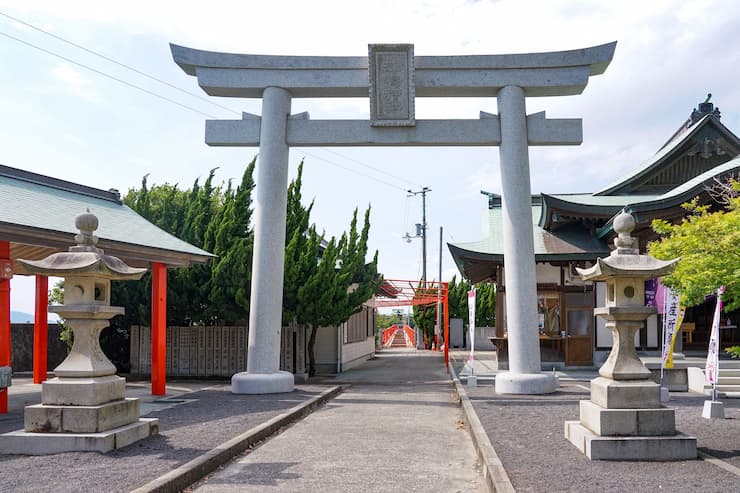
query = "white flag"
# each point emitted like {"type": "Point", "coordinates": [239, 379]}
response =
{"type": "Point", "coordinates": [471, 325]}
{"type": "Point", "coordinates": [670, 322]}
{"type": "Point", "coordinates": [712, 367]}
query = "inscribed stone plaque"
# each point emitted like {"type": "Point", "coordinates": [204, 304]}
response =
{"type": "Point", "coordinates": [391, 69]}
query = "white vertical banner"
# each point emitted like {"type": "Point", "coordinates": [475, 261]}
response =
{"type": "Point", "coordinates": [670, 324]}
{"type": "Point", "coordinates": [471, 315]}
{"type": "Point", "coordinates": [712, 366]}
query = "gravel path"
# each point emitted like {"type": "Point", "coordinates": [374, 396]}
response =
{"type": "Point", "coordinates": [527, 434]}
{"type": "Point", "coordinates": [207, 419]}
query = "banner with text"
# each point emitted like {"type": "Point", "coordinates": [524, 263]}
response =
{"type": "Point", "coordinates": [712, 366]}
{"type": "Point", "coordinates": [471, 315]}
{"type": "Point", "coordinates": [672, 317]}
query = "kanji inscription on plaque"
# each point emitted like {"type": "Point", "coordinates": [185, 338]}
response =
{"type": "Point", "coordinates": [391, 84]}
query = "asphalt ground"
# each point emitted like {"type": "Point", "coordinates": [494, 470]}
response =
{"type": "Point", "coordinates": [527, 434]}
{"type": "Point", "coordinates": [397, 428]}
{"type": "Point", "coordinates": [194, 418]}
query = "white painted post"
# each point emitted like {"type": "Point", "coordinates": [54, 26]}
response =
{"type": "Point", "coordinates": [524, 375]}
{"type": "Point", "coordinates": [263, 375]}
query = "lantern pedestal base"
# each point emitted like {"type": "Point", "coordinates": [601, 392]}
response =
{"type": "Point", "coordinates": [656, 448]}
{"type": "Point", "coordinates": [25, 443]}
{"type": "Point", "coordinates": [625, 420]}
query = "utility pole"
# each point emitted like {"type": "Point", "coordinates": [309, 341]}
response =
{"type": "Point", "coordinates": [421, 230]}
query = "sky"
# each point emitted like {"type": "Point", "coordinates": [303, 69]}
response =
{"type": "Point", "coordinates": [67, 121]}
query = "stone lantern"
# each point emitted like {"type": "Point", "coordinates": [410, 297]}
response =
{"type": "Point", "coordinates": [625, 420]}
{"type": "Point", "coordinates": [84, 408]}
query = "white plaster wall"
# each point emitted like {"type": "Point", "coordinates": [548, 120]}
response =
{"type": "Point", "coordinates": [325, 349]}
{"type": "Point", "coordinates": [547, 274]}
{"type": "Point", "coordinates": [356, 352]}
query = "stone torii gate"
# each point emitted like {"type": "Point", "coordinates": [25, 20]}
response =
{"type": "Point", "coordinates": [392, 77]}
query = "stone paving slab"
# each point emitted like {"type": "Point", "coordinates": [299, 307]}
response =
{"type": "Point", "coordinates": [191, 424]}
{"type": "Point", "coordinates": [397, 428]}
{"type": "Point", "coordinates": [527, 435]}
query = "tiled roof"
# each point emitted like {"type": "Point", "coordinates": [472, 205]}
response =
{"type": "Point", "coordinates": [44, 209]}
{"type": "Point", "coordinates": [568, 243]}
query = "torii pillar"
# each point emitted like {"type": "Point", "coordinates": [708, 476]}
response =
{"type": "Point", "coordinates": [393, 77]}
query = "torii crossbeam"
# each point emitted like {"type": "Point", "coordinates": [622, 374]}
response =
{"type": "Point", "coordinates": [392, 77]}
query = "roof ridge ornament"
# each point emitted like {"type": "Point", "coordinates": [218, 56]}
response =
{"type": "Point", "coordinates": [705, 108]}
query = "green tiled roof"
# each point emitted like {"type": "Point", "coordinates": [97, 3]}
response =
{"type": "Point", "coordinates": [42, 207]}
{"type": "Point", "coordinates": [570, 243]}
{"type": "Point", "coordinates": [603, 200]}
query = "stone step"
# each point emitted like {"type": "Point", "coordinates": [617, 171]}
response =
{"type": "Point", "coordinates": [729, 372]}
{"type": "Point", "coordinates": [726, 380]}
{"type": "Point", "coordinates": [655, 448]}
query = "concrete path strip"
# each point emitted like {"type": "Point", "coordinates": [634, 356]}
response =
{"type": "Point", "coordinates": [493, 470]}
{"type": "Point", "coordinates": [194, 470]}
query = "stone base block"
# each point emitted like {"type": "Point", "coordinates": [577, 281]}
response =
{"type": "Point", "coordinates": [526, 383]}
{"type": "Point", "coordinates": [83, 391]}
{"type": "Point", "coordinates": [43, 418]}
{"type": "Point", "coordinates": [262, 383]}
{"type": "Point", "coordinates": [675, 379]}
{"type": "Point", "coordinates": [661, 448]}
{"type": "Point", "coordinates": [665, 395]}
{"type": "Point", "coordinates": [625, 394]}
{"type": "Point", "coordinates": [713, 409]}
{"type": "Point", "coordinates": [472, 381]}
{"type": "Point", "coordinates": [628, 422]}
{"type": "Point", "coordinates": [24, 443]}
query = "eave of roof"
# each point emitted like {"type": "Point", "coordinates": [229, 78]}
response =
{"type": "Point", "coordinates": [39, 211]}
{"type": "Point", "coordinates": [678, 195]}
{"type": "Point", "coordinates": [571, 243]}
{"type": "Point", "coordinates": [584, 205]}
{"type": "Point", "coordinates": [666, 152]}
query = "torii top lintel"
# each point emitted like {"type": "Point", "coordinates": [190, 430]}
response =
{"type": "Point", "coordinates": [557, 73]}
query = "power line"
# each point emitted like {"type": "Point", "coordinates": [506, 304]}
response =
{"type": "Point", "coordinates": [120, 64]}
{"type": "Point", "coordinates": [156, 79]}
{"type": "Point", "coordinates": [354, 171]}
{"type": "Point", "coordinates": [371, 167]}
{"type": "Point", "coordinates": [129, 84]}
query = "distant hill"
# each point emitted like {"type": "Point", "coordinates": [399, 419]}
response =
{"type": "Point", "coordinates": [20, 317]}
{"type": "Point", "coordinates": [27, 318]}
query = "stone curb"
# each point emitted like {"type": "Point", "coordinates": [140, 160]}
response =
{"type": "Point", "coordinates": [194, 470]}
{"type": "Point", "coordinates": [493, 470]}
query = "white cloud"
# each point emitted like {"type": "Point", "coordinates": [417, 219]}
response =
{"type": "Point", "coordinates": [73, 81]}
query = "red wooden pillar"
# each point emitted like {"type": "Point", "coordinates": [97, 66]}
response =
{"type": "Point", "coordinates": [447, 328]}
{"type": "Point", "coordinates": [159, 327]}
{"type": "Point", "coordinates": [40, 329]}
{"type": "Point", "coordinates": [6, 272]}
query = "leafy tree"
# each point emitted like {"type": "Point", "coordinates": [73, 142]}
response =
{"type": "Point", "coordinates": [339, 285]}
{"type": "Point", "coordinates": [485, 305]}
{"type": "Point", "coordinates": [709, 246]}
{"type": "Point", "coordinates": [425, 314]}
{"type": "Point", "coordinates": [233, 242]}
{"type": "Point", "coordinates": [385, 320]}
{"type": "Point", "coordinates": [457, 298]}
{"type": "Point", "coordinates": [301, 256]}
{"type": "Point", "coordinates": [317, 298]}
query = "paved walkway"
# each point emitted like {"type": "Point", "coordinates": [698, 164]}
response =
{"type": "Point", "coordinates": [398, 428]}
